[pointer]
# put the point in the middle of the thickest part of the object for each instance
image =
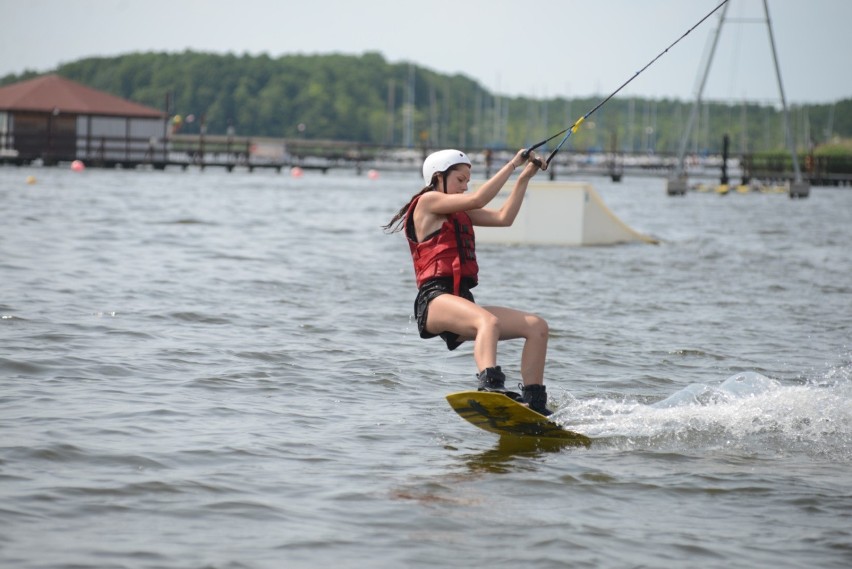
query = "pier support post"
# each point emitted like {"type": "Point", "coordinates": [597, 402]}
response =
{"type": "Point", "coordinates": [726, 142]}
{"type": "Point", "coordinates": [676, 186]}
{"type": "Point", "coordinates": [800, 189]}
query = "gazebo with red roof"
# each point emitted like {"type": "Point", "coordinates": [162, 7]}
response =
{"type": "Point", "coordinates": [55, 119]}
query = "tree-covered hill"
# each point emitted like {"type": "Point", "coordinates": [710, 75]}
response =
{"type": "Point", "coordinates": [367, 99]}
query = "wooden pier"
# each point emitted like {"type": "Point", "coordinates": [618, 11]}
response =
{"type": "Point", "coordinates": [252, 153]}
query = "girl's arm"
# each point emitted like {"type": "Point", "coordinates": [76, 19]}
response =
{"type": "Point", "coordinates": [438, 203]}
{"type": "Point", "coordinates": [505, 216]}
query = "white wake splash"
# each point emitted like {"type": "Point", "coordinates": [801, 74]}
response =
{"type": "Point", "coordinates": [748, 411]}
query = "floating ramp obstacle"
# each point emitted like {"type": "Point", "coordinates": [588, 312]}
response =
{"type": "Point", "coordinates": [560, 213]}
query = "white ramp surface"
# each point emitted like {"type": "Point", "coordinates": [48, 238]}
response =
{"type": "Point", "coordinates": [560, 213]}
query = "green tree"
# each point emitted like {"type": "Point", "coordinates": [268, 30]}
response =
{"type": "Point", "coordinates": [365, 99]}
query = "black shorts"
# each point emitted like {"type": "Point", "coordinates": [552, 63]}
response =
{"type": "Point", "coordinates": [432, 289]}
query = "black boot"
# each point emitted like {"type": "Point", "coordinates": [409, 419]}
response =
{"type": "Point", "coordinates": [492, 379]}
{"type": "Point", "coordinates": [536, 397]}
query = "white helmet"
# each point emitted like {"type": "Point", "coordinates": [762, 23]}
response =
{"type": "Point", "coordinates": [442, 161]}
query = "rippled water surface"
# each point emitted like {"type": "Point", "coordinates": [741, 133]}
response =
{"type": "Point", "coordinates": [202, 369]}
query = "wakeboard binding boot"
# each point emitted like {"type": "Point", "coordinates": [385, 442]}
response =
{"type": "Point", "coordinates": [493, 379]}
{"type": "Point", "coordinates": [535, 396]}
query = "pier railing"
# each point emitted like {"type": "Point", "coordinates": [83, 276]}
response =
{"type": "Point", "coordinates": [245, 152]}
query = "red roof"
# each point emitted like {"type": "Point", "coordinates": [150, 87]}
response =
{"type": "Point", "coordinates": [49, 92]}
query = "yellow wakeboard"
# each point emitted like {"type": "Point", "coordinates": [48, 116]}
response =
{"type": "Point", "coordinates": [500, 414]}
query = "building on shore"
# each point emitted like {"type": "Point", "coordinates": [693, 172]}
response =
{"type": "Point", "coordinates": [53, 119]}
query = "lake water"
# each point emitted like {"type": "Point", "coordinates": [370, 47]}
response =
{"type": "Point", "coordinates": [203, 369]}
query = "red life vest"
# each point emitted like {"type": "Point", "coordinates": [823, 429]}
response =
{"type": "Point", "coordinates": [449, 252]}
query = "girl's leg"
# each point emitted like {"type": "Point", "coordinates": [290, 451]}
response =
{"type": "Point", "coordinates": [517, 324]}
{"type": "Point", "coordinates": [485, 325]}
{"type": "Point", "coordinates": [450, 313]}
{"type": "Point", "coordinates": [534, 330]}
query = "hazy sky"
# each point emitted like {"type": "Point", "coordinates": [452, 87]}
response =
{"type": "Point", "coordinates": [536, 49]}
